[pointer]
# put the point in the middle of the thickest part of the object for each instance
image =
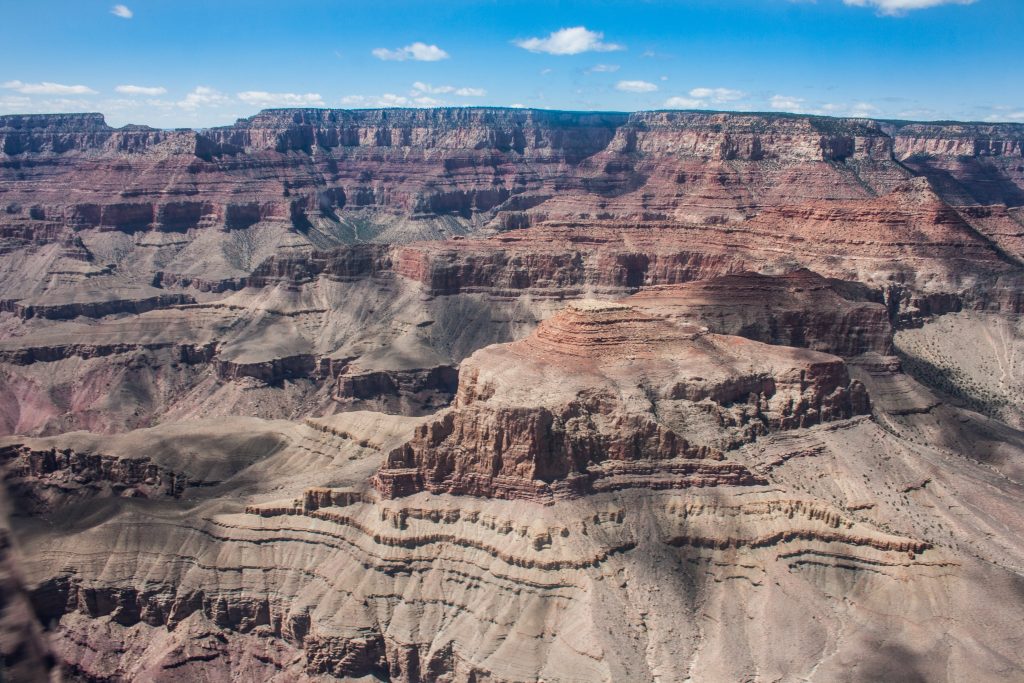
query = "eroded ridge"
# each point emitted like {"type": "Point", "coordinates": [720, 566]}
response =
{"type": "Point", "coordinates": [606, 396]}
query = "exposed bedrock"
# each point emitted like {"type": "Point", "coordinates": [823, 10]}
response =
{"type": "Point", "coordinates": [480, 167]}
{"type": "Point", "coordinates": [329, 437]}
{"type": "Point", "coordinates": [94, 309]}
{"type": "Point", "coordinates": [408, 392]}
{"type": "Point", "coordinates": [606, 395]}
{"type": "Point", "coordinates": [574, 202]}
{"type": "Point", "coordinates": [920, 254]}
{"type": "Point", "coordinates": [43, 474]}
{"type": "Point", "coordinates": [25, 651]}
{"type": "Point", "coordinates": [317, 576]}
{"type": "Point", "coordinates": [39, 480]}
{"type": "Point", "coordinates": [800, 308]}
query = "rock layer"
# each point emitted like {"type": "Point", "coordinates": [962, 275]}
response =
{"type": "Point", "coordinates": [603, 396]}
{"type": "Point", "coordinates": [652, 486]}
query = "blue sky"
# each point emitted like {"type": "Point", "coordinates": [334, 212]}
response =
{"type": "Point", "coordinates": [172, 63]}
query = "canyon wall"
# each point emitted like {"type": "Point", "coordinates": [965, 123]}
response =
{"type": "Point", "coordinates": [511, 395]}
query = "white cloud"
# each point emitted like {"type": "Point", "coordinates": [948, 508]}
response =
{"type": "Point", "coordinates": [603, 69]}
{"type": "Point", "coordinates": [635, 86]}
{"type": "Point", "coordinates": [419, 87]}
{"type": "Point", "coordinates": [896, 7]}
{"type": "Point", "coordinates": [390, 100]}
{"type": "Point", "coordinates": [517, 105]}
{"type": "Point", "coordinates": [787, 103]}
{"type": "Point", "coordinates": [23, 104]}
{"type": "Point", "coordinates": [683, 103]}
{"type": "Point", "coordinates": [717, 95]}
{"type": "Point", "coordinates": [132, 103]}
{"type": "Point", "coordinates": [261, 98]}
{"type": "Point", "coordinates": [864, 109]}
{"type": "Point", "coordinates": [432, 89]}
{"type": "Point", "coordinates": [799, 105]}
{"type": "Point", "coordinates": [420, 52]}
{"type": "Point", "coordinates": [917, 114]}
{"type": "Point", "coordinates": [1009, 116]}
{"type": "Point", "coordinates": [121, 11]}
{"type": "Point", "coordinates": [140, 90]}
{"type": "Point", "coordinates": [47, 88]}
{"type": "Point", "coordinates": [203, 96]}
{"type": "Point", "coordinates": [569, 41]}
{"type": "Point", "coordinates": [14, 102]}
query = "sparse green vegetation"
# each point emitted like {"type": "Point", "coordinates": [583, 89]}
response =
{"type": "Point", "coordinates": [975, 359]}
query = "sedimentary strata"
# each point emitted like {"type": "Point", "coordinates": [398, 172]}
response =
{"type": "Point", "coordinates": [511, 395]}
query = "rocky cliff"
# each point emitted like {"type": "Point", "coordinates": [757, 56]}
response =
{"type": "Point", "coordinates": [603, 396]}
{"type": "Point", "coordinates": [511, 395]}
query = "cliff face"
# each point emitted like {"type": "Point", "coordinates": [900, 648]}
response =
{"type": "Point", "coordinates": [604, 396]}
{"type": "Point", "coordinates": [350, 174]}
{"type": "Point", "coordinates": [511, 395]}
{"type": "Point", "coordinates": [215, 261]}
{"type": "Point", "coordinates": [796, 309]}
{"type": "Point", "coordinates": [689, 194]}
{"type": "Point", "coordinates": [621, 477]}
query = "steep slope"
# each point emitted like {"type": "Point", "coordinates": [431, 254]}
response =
{"type": "Point", "coordinates": [184, 206]}
{"type": "Point", "coordinates": [838, 527]}
{"type": "Point", "coordinates": [512, 395]}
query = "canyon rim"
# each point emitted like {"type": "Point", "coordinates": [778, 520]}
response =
{"type": "Point", "coordinates": [630, 381]}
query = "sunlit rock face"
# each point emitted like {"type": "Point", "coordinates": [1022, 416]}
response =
{"type": "Point", "coordinates": [511, 395]}
{"type": "Point", "coordinates": [605, 395]}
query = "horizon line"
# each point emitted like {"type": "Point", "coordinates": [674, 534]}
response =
{"type": "Point", "coordinates": [762, 114]}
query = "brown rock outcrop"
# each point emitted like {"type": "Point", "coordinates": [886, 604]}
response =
{"type": "Point", "coordinates": [610, 200]}
{"type": "Point", "coordinates": [800, 308]}
{"type": "Point", "coordinates": [611, 391]}
{"type": "Point", "coordinates": [646, 490]}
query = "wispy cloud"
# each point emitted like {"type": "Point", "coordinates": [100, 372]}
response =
{"type": "Point", "coordinates": [635, 86]}
{"type": "Point", "coordinates": [202, 97]}
{"type": "Point", "coordinates": [787, 103]}
{"type": "Point", "coordinates": [717, 95]}
{"type": "Point", "coordinates": [14, 102]}
{"type": "Point", "coordinates": [603, 69]}
{"type": "Point", "coordinates": [569, 41]}
{"type": "Point", "coordinates": [799, 105]}
{"type": "Point", "coordinates": [390, 100]}
{"type": "Point", "coordinates": [1002, 112]}
{"type": "Point", "coordinates": [141, 90]}
{"type": "Point", "coordinates": [420, 88]}
{"type": "Point", "coordinates": [898, 7]}
{"type": "Point", "coordinates": [121, 11]}
{"type": "Point", "coordinates": [863, 110]}
{"type": "Point", "coordinates": [683, 103]}
{"type": "Point", "coordinates": [420, 52]}
{"type": "Point", "coordinates": [262, 98]}
{"type": "Point", "coordinates": [917, 114]}
{"type": "Point", "coordinates": [48, 88]}
{"type": "Point", "coordinates": [703, 98]}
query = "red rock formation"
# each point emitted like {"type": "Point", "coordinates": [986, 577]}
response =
{"type": "Point", "coordinates": [699, 195]}
{"type": "Point", "coordinates": [797, 309]}
{"type": "Point", "coordinates": [605, 395]}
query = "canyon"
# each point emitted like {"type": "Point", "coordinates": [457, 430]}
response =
{"type": "Point", "coordinates": [481, 394]}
